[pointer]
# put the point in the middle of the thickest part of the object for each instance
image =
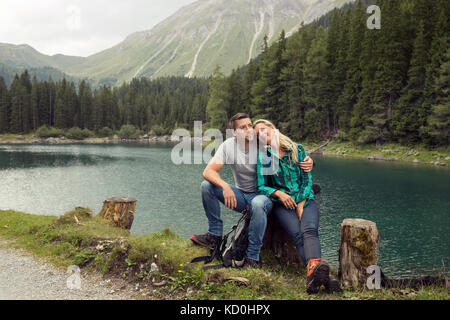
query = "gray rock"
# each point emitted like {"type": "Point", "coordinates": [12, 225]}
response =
{"type": "Point", "coordinates": [378, 157]}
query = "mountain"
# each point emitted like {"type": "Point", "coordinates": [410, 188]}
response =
{"type": "Point", "coordinates": [41, 73]}
{"type": "Point", "coordinates": [191, 42]}
{"type": "Point", "coordinates": [25, 56]}
{"type": "Point", "coordinates": [14, 59]}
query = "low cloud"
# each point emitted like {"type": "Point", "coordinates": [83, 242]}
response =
{"type": "Point", "coordinates": [79, 27]}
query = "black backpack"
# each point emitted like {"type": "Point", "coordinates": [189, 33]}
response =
{"type": "Point", "coordinates": [231, 254]}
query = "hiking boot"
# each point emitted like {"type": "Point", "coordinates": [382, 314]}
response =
{"type": "Point", "coordinates": [206, 240]}
{"type": "Point", "coordinates": [333, 285]}
{"type": "Point", "coordinates": [318, 272]}
{"type": "Point", "coordinates": [250, 263]}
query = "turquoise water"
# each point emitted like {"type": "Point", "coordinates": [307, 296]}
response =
{"type": "Point", "coordinates": [410, 204]}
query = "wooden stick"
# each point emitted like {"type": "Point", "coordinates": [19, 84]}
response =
{"type": "Point", "coordinates": [320, 147]}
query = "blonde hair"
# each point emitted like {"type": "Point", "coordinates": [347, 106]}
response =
{"type": "Point", "coordinates": [283, 141]}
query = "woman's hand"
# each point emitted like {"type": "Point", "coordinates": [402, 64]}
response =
{"type": "Point", "coordinates": [299, 209]}
{"type": "Point", "coordinates": [229, 197]}
{"type": "Point", "coordinates": [286, 199]}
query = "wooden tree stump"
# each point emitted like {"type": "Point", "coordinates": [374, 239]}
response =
{"type": "Point", "coordinates": [119, 210]}
{"type": "Point", "coordinates": [279, 242]}
{"type": "Point", "coordinates": [358, 250]}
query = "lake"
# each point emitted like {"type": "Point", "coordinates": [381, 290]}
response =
{"type": "Point", "coordinates": [410, 204]}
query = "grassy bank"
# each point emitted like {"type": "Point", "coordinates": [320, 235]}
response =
{"type": "Point", "coordinates": [87, 241]}
{"type": "Point", "coordinates": [387, 152]}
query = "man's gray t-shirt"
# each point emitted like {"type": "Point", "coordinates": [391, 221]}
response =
{"type": "Point", "coordinates": [243, 168]}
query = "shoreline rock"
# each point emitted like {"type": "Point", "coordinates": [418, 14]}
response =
{"type": "Point", "coordinates": [376, 157]}
{"type": "Point", "coordinates": [115, 138]}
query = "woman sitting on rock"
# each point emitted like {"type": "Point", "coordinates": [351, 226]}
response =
{"type": "Point", "coordinates": [290, 188]}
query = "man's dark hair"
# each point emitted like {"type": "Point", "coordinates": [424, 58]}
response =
{"type": "Point", "coordinates": [233, 119]}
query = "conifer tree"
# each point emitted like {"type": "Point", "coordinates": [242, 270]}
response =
{"type": "Point", "coordinates": [316, 90]}
{"type": "Point", "coordinates": [4, 107]}
{"type": "Point", "coordinates": [218, 101]}
{"type": "Point", "coordinates": [409, 114]}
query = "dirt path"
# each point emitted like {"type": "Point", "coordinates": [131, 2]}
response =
{"type": "Point", "coordinates": [24, 277]}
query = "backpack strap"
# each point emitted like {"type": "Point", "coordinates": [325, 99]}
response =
{"type": "Point", "coordinates": [217, 250]}
{"type": "Point", "coordinates": [217, 266]}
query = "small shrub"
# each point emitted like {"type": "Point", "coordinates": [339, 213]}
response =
{"type": "Point", "coordinates": [88, 133]}
{"type": "Point", "coordinates": [48, 132]}
{"type": "Point", "coordinates": [105, 132]}
{"type": "Point", "coordinates": [75, 133]}
{"type": "Point", "coordinates": [128, 131]}
{"type": "Point", "coordinates": [342, 136]}
{"type": "Point", "coordinates": [158, 130]}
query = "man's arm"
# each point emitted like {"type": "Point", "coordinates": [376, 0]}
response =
{"type": "Point", "coordinates": [211, 173]}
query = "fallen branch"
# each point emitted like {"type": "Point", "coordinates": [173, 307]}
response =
{"type": "Point", "coordinates": [78, 221]}
{"type": "Point", "coordinates": [240, 280]}
{"type": "Point", "coordinates": [318, 148]}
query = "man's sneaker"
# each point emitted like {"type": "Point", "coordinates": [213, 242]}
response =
{"type": "Point", "coordinates": [250, 263]}
{"type": "Point", "coordinates": [206, 240]}
{"type": "Point", "coordinates": [318, 272]}
{"type": "Point", "coordinates": [333, 285]}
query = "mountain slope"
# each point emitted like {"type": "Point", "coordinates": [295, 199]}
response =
{"type": "Point", "coordinates": [25, 56]}
{"type": "Point", "coordinates": [192, 41]}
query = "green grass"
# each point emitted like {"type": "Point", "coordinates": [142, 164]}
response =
{"type": "Point", "coordinates": [388, 150]}
{"type": "Point", "coordinates": [96, 246]}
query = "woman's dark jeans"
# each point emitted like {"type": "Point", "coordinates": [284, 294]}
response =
{"type": "Point", "coordinates": [304, 233]}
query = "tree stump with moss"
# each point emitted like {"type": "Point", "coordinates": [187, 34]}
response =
{"type": "Point", "coordinates": [119, 211]}
{"type": "Point", "coordinates": [358, 250]}
{"type": "Point", "coordinates": [279, 242]}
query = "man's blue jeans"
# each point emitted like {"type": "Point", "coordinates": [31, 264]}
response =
{"type": "Point", "coordinates": [260, 206]}
{"type": "Point", "coordinates": [304, 233]}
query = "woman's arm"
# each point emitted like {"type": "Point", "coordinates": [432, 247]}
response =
{"type": "Point", "coordinates": [262, 186]}
{"type": "Point", "coordinates": [305, 177]}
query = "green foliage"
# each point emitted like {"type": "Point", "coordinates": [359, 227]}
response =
{"type": "Point", "coordinates": [128, 131]}
{"type": "Point", "coordinates": [333, 75]}
{"type": "Point", "coordinates": [29, 105]}
{"type": "Point", "coordinates": [437, 128]}
{"type": "Point", "coordinates": [158, 130]}
{"type": "Point", "coordinates": [336, 75]}
{"type": "Point", "coordinates": [105, 132]}
{"type": "Point", "coordinates": [79, 134]}
{"type": "Point", "coordinates": [47, 132]}
{"type": "Point", "coordinates": [218, 107]}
